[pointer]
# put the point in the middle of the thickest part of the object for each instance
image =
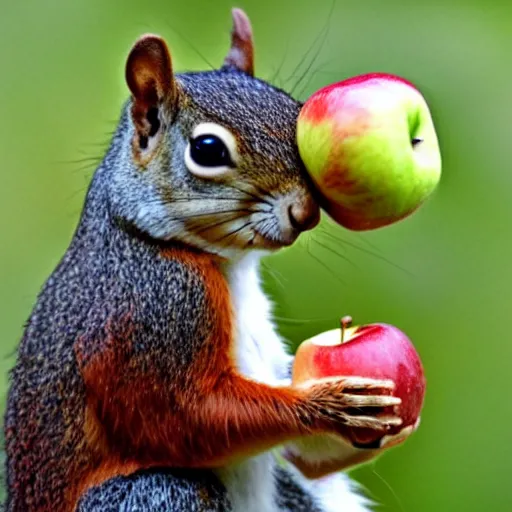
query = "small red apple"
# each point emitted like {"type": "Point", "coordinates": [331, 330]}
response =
{"type": "Point", "coordinates": [376, 351]}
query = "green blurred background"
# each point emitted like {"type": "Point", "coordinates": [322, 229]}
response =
{"type": "Point", "coordinates": [443, 275]}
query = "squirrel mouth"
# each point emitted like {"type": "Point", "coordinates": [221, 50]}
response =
{"type": "Point", "coordinates": [260, 241]}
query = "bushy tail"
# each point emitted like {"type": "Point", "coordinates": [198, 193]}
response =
{"type": "Point", "coordinates": [169, 490]}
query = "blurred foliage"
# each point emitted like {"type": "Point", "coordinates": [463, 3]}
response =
{"type": "Point", "coordinates": [442, 275]}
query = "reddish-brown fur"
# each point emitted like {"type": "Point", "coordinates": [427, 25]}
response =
{"type": "Point", "coordinates": [137, 420]}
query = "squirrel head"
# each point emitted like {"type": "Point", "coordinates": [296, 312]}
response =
{"type": "Point", "coordinates": [210, 158]}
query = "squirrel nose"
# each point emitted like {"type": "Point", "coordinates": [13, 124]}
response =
{"type": "Point", "coordinates": [304, 214]}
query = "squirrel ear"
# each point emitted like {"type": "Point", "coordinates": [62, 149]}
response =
{"type": "Point", "coordinates": [241, 53]}
{"type": "Point", "coordinates": [150, 79]}
{"type": "Point", "coordinates": [149, 71]}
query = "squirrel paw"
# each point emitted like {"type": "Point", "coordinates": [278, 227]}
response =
{"type": "Point", "coordinates": [355, 402]}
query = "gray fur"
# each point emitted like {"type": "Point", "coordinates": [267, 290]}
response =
{"type": "Point", "coordinates": [113, 271]}
{"type": "Point", "coordinates": [158, 491]}
{"type": "Point", "coordinates": [179, 491]}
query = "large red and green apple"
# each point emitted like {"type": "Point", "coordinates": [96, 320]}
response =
{"type": "Point", "coordinates": [371, 148]}
{"type": "Point", "coordinates": [376, 351]}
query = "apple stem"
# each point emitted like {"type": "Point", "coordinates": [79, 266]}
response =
{"type": "Point", "coordinates": [345, 322]}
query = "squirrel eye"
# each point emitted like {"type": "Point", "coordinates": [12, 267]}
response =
{"type": "Point", "coordinates": [209, 151]}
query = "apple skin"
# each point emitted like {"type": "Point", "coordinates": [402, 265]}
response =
{"type": "Point", "coordinates": [377, 351]}
{"type": "Point", "coordinates": [355, 138]}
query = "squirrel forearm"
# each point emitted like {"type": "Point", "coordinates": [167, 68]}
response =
{"type": "Point", "coordinates": [237, 417]}
{"type": "Point", "coordinates": [245, 417]}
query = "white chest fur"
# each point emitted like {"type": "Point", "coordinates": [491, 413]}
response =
{"type": "Point", "coordinates": [260, 352]}
{"type": "Point", "coordinates": [261, 356]}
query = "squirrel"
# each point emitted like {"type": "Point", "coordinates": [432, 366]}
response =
{"type": "Point", "coordinates": [150, 375]}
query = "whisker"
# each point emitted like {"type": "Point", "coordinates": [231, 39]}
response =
{"type": "Point", "coordinates": [274, 270]}
{"type": "Point", "coordinates": [206, 197]}
{"type": "Point", "coordinates": [367, 251]}
{"type": "Point", "coordinates": [306, 85]}
{"type": "Point", "coordinates": [199, 217]}
{"type": "Point", "coordinates": [325, 33]}
{"type": "Point", "coordinates": [263, 228]}
{"type": "Point", "coordinates": [322, 37]}
{"type": "Point", "coordinates": [261, 190]}
{"type": "Point", "coordinates": [305, 56]}
{"type": "Point", "coordinates": [273, 78]}
{"type": "Point", "coordinates": [251, 194]}
{"type": "Point", "coordinates": [85, 159]}
{"type": "Point", "coordinates": [192, 46]}
{"type": "Point", "coordinates": [210, 214]}
{"type": "Point", "coordinates": [317, 71]}
{"type": "Point", "coordinates": [328, 62]}
{"type": "Point", "coordinates": [217, 224]}
{"type": "Point", "coordinates": [358, 235]}
{"type": "Point", "coordinates": [251, 198]}
{"type": "Point", "coordinates": [276, 276]}
{"type": "Point", "coordinates": [308, 250]}
{"type": "Point", "coordinates": [333, 251]}
{"type": "Point", "coordinates": [368, 243]}
{"type": "Point", "coordinates": [234, 232]}
{"type": "Point", "coordinates": [390, 488]}
{"type": "Point", "coordinates": [308, 69]}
